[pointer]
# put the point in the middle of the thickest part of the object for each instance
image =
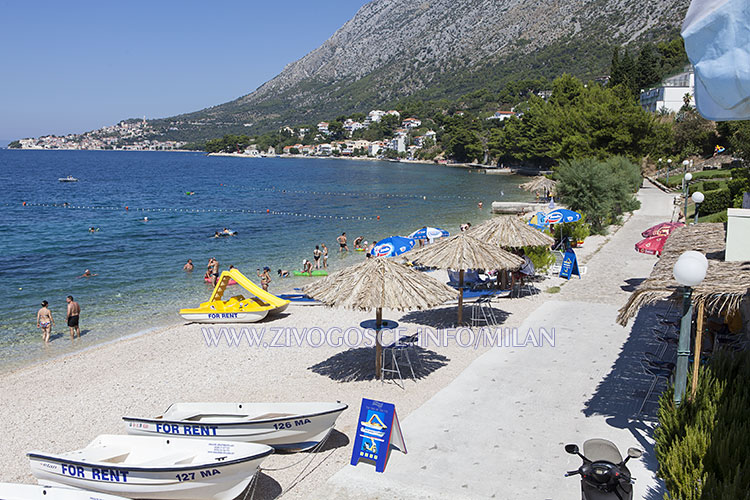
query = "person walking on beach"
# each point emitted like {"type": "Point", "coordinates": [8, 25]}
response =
{"type": "Point", "coordinates": [44, 321]}
{"type": "Point", "coordinates": [342, 243]}
{"type": "Point", "coordinates": [325, 255]}
{"type": "Point", "coordinates": [73, 314]}
{"type": "Point", "coordinates": [189, 266]}
{"type": "Point", "coordinates": [316, 256]}
{"type": "Point", "coordinates": [265, 277]}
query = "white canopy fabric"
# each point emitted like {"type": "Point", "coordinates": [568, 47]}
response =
{"type": "Point", "coordinates": [717, 41]}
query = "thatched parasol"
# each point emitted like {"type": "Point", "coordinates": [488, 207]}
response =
{"type": "Point", "coordinates": [462, 252]}
{"type": "Point", "coordinates": [380, 283]}
{"type": "Point", "coordinates": [540, 183]}
{"type": "Point", "coordinates": [511, 232]}
{"type": "Point", "coordinates": [723, 289]}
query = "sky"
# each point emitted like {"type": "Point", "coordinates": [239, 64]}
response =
{"type": "Point", "coordinates": [71, 67]}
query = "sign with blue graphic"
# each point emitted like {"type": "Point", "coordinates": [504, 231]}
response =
{"type": "Point", "coordinates": [377, 430]}
{"type": "Point", "coordinates": [569, 265]}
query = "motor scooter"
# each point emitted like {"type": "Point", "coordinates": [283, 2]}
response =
{"type": "Point", "coordinates": [604, 475]}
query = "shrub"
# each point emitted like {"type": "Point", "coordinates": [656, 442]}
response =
{"type": "Point", "coordinates": [702, 445]}
{"type": "Point", "coordinates": [602, 191]}
{"type": "Point", "coordinates": [711, 185]}
{"type": "Point", "coordinates": [541, 257]}
{"type": "Point", "coordinates": [715, 201]}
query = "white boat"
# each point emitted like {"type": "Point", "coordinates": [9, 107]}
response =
{"type": "Point", "coordinates": [154, 467]}
{"type": "Point", "coordinates": [13, 491]}
{"type": "Point", "coordinates": [285, 426]}
{"type": "Point", "coordinates": [69, 178]}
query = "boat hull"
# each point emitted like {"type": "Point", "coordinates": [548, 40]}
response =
{"type": "Point", "coordinates": [10, 491]}
{"type": "Point", "coordinates": [224, 317]}
{"type": "Point", "coordinates": [299, 431]}
{"type": "Point", "coordinates": [221, 472]}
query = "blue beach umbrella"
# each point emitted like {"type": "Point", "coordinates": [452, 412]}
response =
{"type": "Point", "coordinates": [390, 247]}
{"type": "Point", "coordinates": [538, 221]}
{"type": "Point", "coordinates": [561, 215]}
{"type": "Point", "coordinates": [429, 233]}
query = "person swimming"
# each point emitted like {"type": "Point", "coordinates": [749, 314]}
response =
{"type": "Point", "coordinates": [283, 273]}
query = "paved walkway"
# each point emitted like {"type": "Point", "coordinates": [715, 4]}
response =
{"type": "Point", "coordinates": [498, 430]}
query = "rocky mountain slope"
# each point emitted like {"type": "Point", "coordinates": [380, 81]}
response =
{"type": "Point", "coordinates": [396, 48]}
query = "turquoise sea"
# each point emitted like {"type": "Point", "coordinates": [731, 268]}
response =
{"type": "Point", "coordinates": [281, 208]}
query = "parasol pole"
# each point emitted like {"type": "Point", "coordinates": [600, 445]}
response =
{"type": "Point", "coordinates": [698, 348]}
{"type": "Point", "coordinates": [460, 297]}
{"type": "Point", "coordinates": [378, 347]}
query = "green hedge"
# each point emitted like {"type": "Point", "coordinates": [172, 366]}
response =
{"type": "Point", "coordinates": [702, 446]}
{"type": "Point", "coordinates": [675, 177]}
{"type": "Point", "coordinates": [715, 201]}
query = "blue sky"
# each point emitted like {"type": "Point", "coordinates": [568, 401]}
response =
{"type": "Point", "coordinates": [77, 66]}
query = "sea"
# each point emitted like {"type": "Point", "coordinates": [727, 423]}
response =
{"type": "Point", "coordinates": [280, 208]}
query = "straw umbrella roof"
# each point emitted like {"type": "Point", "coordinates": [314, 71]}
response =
{"type": "Point", "coordinates": [380, 283]}
{"type": "Point", "coordinates": [464, 251]}
{"type": "Point", "coordinates": [510, 231]}
{"type": "Point", "coordinates": [540, 183]}
{"type": "Point", "coordinates": [723, 289]}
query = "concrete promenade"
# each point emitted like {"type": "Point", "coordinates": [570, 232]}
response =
{"type": "Point", "coordinates": [498, 429]}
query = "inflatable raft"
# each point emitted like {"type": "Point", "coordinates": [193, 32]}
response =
{"type": "Point", "coordinates": [316, 272]}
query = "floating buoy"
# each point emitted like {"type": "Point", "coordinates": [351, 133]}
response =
{"type": "Point", "coordinates": [126, 208]}
{"type": "Point", "coordinates": [268, 211]}
{"type": "Point", "coordinates": [24, 203]}
{"type": "Point", "coordinates": [378, 217]}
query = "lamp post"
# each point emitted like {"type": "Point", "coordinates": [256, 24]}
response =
{"type": "Point", "coordinates": [697, 199]}
{"type": "Point", "coordinates": [669, 164]}
{"type": "Point", "coordinates": [660, 160]}
{"type": "Point", "coordinates": [688, 271]}
{"type": "Point", "coordinates": [685, 187]}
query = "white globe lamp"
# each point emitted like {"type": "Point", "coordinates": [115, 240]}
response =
{"type": "Point", "coordinates": [690, 270]}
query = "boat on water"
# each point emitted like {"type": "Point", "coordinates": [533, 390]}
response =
{"type": "Point", "coordinates": [13, 491]}
{"type": "Point", "coordinates": [159, 468]}
{"type": "Point", "coordinates": [285, 426]}
{"type": "Point", "coordinates": [69, 178]}
{"type": "Point", "coordinates": [236, 309]}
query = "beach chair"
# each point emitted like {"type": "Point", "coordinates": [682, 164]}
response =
{"type": "Point", "coordinates": [658, 373]}
{"type": "Point", "coordinates": [482, 313]}
{"type": "Point", "coordinates": [396, 353]}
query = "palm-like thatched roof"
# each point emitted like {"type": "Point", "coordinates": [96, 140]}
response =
{"type": "Point", "coordinates": [723, 289]}
{"type": "Point", "coordinates": [510, 231]}
{"type": "Point", "coordinates": [383, 283]}
{"type": "Point", "coordinates": [540, 183]}
{"type": "Point", "coordinates": [464, 251]}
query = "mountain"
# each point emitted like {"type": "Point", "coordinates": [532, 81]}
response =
{"type": "Point", "coordinates": [432, 49]}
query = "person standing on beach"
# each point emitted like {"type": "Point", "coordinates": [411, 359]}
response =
{"type": "Point", "coordinates": [215, 271]}
{"type": "Point", "coordinates": [73, 314]}
{"type": "Point", "coordinates": [342, 243]}
{"type": "Point", "coordinates": [325, 255]}
{"type": "Point", "coordinates": [265, 277]}
{"type": "Point", "coordinates": [44, 321]}
{"type": "Point", "coordinates": [316, 256]}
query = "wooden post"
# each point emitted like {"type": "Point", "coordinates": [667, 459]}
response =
{"type": "Point", "coordinates": [378, 347]}
{"type": "Point", "coordinates": [698, 349]}
{"type": "Point", "coordinates": [460, 297]}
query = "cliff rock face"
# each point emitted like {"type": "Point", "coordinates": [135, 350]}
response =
{"type": "Point", "coordinates": [394, 48]}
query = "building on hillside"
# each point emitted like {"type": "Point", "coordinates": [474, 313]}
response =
{"type": "Point", "coordinates": [323, 128]}
{"type": "Point", "coordinates": [303, 132]}
{"type": "Point", "coordinates": [351, 125]}
{"type": "Point", "coordinates": [271, 151]}
{"type": "Point", "coordinates": [394, 113]}
{"type": "Point", "coordinates": [374, 116]}
{"type": "Point", "coordinates": [501, 115]}
{"type": "Point", "coordinates": [398, 144]}
{"type": "Point", "coordinates": [411, 123]}
{"type": "Point", "coordinates": [670, 95]}
{"type": "Point", "coordinates": [323, 149]}
{"type": "Point", "coordinates": [375, 148]}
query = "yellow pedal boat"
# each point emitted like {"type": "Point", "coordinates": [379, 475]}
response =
{"type": "Point", "coordinates": [236, 309]}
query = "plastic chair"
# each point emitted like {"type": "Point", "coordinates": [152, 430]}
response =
{"type": "Point", "coordinates": [482, 313]}
{"type": "Point", "coordinates": [657, 373]}
{"type": "Point", "coordinates": [395, 352]}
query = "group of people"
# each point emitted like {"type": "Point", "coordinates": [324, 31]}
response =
{"type": "Point", "coordinates": [320, 253]}
{"type": "Point", "coordinates": [45, 322]}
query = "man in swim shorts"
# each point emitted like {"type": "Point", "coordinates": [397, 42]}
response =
{"type": "Point", "coordinates": [316, 256]}
{"type": "Point", "coordinates": [342, 243]}
{"type": "Point", "coordinates": [74, 312]}
{"type": "Point", "coordinates": [44, 321]}
{"type": "Point", "coordinates": [189, 266]}
{"type": "Point", "coordinates": [215, 271]}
